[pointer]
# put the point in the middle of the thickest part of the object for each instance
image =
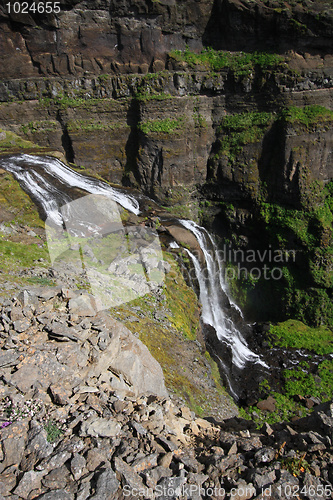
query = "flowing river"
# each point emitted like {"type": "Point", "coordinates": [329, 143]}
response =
{"type": "Point", "coordinates": [53, 185]}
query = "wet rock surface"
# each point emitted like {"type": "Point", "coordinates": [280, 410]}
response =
{"type": "Point", "coordinates": [76, 426]}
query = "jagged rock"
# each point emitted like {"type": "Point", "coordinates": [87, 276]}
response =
{"type": "Point", "coordinates": [55, 461]}
{"type": "Point", "coordinates": [14, 438]}
{"type": "Point", "coordinates": [264, 455]}
{"type": "Point", "coordinates": [62, 332]}
{"type": "Point", "coordinates": [78, 464]}
{"type": "Point", "coordinates": [144, 463]}
{"type": "Point", "coordinates": [60, 394]}
{"type": "Point", "coordinates": [129, 478]}
{"type": "Point", "coordinates": [82, 305]}
{"type": "Point", "coordinates": [188, 459]}
{"type": "Point", "coordinates": [27, 298]}
{"type": "Point", "coordinates": [100, 427]}
{"type": "Point", "coordinates": [243, 491]}
{"type": "Point", "coordinates": [56, 478]}
{"type": "Point", "coordinates": [262, 478]}
{"type": "Point", "coordinates": [106, 485]}
{"type": "Point", "coordinates": [173, 485]}
{"type": "Point", "coordinates": [166, 460]}
{"type": "Point", "coordinates": [21, 325]}
{"type": "Point", "coordinates": [37, 443]}
{"type": "Point", "coordinates": [56, 495]}
{"type": "Point", "coordinates": [31, 481]}
{"type": "Point", "coordinates": [9, 358]}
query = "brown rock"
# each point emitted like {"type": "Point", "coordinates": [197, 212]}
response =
{"type": "Point", "coordinates": [267, 404]}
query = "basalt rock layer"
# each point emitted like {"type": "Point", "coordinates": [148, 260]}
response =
{"type": "Point", "coordinates": [135, 36]}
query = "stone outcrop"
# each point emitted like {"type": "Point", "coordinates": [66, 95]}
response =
{"type": "Point", "coordinates": [79, 346]}
{"type": "Point", "coordinates": [73, 425]}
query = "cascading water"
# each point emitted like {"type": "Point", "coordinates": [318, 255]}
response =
{"type": "Point", "coordinates": [212, 285]}
{"type": "Point", "coordinates": [34, 182]}
{"type": "Point", "coordinates": [50, 183]}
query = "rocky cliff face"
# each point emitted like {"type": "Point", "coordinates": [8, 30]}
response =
{"type": "Point", "coordinates": [104, 83]}
{"type": "Point", "coordinates": [135, 36]}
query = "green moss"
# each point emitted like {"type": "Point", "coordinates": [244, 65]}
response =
{"type": "Point", "coordinates": [40, 126]}
{"type": "Point", "coordinates": [17, 203]}
{"type": "Point", "coordinates": [293, 333]}
{"type": "Point", "coordinates": [239, 129]}
{"type": "Point", "coordinates": [239, 62]}
{"type": "Point", "coordinates": [167, 125]}
{"type": "Point", "coordinates": [308, 115]}
{"type": "Point", "coordinates": [92, 125]}
{"type": "Point", "coordinates": [182, 303]}
{"type": "Point", "coordinates": [147, 96]}
{"type": "Point", "coordinates": [12, 143]}
{"type": "Point", "coordinates": [14, 255]}
{"type": "Point", "coordinates": [285, 409]}
{"type": "Point", "coordinates": [169, 339]}
{"type": "Point", "coordinates": [215, 373]}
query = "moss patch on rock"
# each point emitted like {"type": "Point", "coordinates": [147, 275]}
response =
{"type": "Point", "coordinates": [293, 333]}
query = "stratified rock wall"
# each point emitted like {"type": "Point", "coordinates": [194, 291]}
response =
{"type": "Point", "coordinates": [135, 36]}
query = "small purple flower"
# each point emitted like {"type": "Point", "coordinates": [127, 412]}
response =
{"type": "Point", "coordinates": [5, 424]}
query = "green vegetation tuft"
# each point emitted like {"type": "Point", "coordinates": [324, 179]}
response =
{"type": "Point", "coordinates": [308, 115]}
{"type": "Point", "coordinates": [53, 431]}
{"type": "Point", "coordinates": [10, 142]}
{"type": "Point", "coordinates": [167, 125]}
{"type": "Point", "coordinates": [18, 205]}
{"type": "Point", "coordinates": [239, 129]}
{"type": "Point", "coordinates": [16, 254]}
{"type": "Point", "coordinates": [241, 63]}
{"type": "Point", "coordinates": [91, 125]}
{"type": "Point", "coordinates": [295, 334]}
{"type": "Point", "coordinates": [36, 126]}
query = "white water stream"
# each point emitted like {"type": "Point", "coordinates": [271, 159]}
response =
{"type": "Point", "coordinates": [211, 283]}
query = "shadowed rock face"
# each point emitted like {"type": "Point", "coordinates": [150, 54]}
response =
{"type": "Point", "coordinates": [135, 36]}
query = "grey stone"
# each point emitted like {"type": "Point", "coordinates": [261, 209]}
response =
{"type": "Point", "coordinates": [153, 476]}
{"type": "Point", "coordinates": [9, 358]}
{"type": "Point", "coordinates": [129, 477]}
{"type": "Point", "coordinates": [21, 325]}
{"type": "Point", "coordinates": [262, 479]}
{"type": "Point", "coordinates": [83, 305]}
{"type": "Point", "coordinates": [100, 427]}
{"type": "Point", "coordinates": [60, 331]}
{"type": "Point", "coordinates": [106, 486]}
{"type": "Point", "coordinates": [172, 484]}
{"type": "Point", "coordinates": [83, 492]}
{"type": "Point", "coordinates": [13, 442]}
{"type": "Point", "coordinates": [27, 298]}
{"type": "Point", "coordinates": [55, 461]}
{"type": "Point", "coordinates": [144, 463]}
{"type": "Point", "coordinates": [264, 455]}
{"type": "Point", "coordinates": [56, 495]}
{"type": "Point", "coordinates": [56, 478]}
{"type": "Point", "coordinates": [38, 444]}
{"type": "Point", "coordinates": [312, 487]}
{"type": "Point", "coordinates": [78, 464]}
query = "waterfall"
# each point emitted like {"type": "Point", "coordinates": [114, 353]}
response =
{"type": "Point", "coordinates": [50, 183]}
{"type": "Point", "coordinates": [212, 286]}
{"type": "Point", "coordinates": [50, 197]}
